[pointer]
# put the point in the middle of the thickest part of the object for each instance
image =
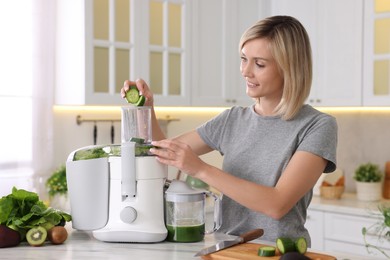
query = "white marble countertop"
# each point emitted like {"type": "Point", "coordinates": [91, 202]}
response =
{"type": "Point", "coordinates": [82, 245]}
{"type": "Point", "coordinates": [348, 203]}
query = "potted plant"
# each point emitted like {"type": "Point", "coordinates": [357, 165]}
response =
{"type": "Point", "coordinates": [368, 182]}
{"type": "Point", "coordinates": [58, 189]}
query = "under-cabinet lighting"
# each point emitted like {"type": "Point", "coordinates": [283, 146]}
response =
{"type": "Point", "coordinates": [210, 109]}
{"type": "Point", "coordinates": [353, 109]}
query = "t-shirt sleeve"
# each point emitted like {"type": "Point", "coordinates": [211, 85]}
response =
{"type": "Point", "coordinates": [321, 139]}
{"type": "Point", "coordinates": [212, 132]}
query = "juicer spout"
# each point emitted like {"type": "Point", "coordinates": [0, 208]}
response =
{"type": "Point", "coordinates": [128, 182]}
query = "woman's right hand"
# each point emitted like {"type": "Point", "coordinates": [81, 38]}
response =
{"type": "Point", "coordinates": [142, 87]}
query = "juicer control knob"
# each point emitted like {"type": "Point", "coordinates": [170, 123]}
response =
{"type": "Point", "coordinates": [128, 215]}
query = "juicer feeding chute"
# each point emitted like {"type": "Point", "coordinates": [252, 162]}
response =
{"type": "Point", "coordinates": [136, 124]}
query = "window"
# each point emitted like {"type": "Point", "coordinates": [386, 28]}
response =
{"type": "Point", "coordinates": [15, 86]}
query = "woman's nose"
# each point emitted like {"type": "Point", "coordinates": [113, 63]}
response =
{"type": "Point", "coordinates": [246, 70]}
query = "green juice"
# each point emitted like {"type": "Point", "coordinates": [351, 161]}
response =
{"type": "Point", "coordinates": [185, 233]}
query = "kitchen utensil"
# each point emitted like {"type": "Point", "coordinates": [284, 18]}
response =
{"type": "Point", "coordinates": [248, 251]}
{"type": "Point", "coordinates": [253, 234]}
{"type": "Point", "coordinates": [117, 191]}
{"type": "Point", "coordinates": [185, 212]}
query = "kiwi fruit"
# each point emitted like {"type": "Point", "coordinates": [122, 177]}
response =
{"type": "Point", "coordinates": [36, 236]}
{"type": "Point", "coordinates": [57, 235]}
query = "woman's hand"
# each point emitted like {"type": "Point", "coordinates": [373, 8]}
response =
{"type": "Point", "coordinates": [142, 87]}
{"type": "Point", "coordinates": [178, 154]}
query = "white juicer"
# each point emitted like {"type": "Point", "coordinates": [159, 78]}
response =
{"type": "Point", "coordinates": [119, 197]}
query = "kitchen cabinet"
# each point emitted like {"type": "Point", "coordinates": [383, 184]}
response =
{"type": "Point", "coordinates": [101, 43]}
{"type": "Point", "coordinates": [314, 223]}
{"type": "Point", "coordinates": [335, 31]}
{"type": "Point", "coordinates": [199, 67]}
{"type": "Point", "coordinates": [217, 28]}
{"type": "Point", "coordinates": [343, 233]}
{"type": "Point", "coordinates": [376, 53]}
{"type": "Point", "coordinates": [336, 226]}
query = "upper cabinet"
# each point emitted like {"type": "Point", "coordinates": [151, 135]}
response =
{"type": "Point", "coordinates": [335, 31]}
{"type": "Point", "coordinates": [188, 50]}
{"type": "Point", "coordinates": [217, 29]}
{"type": "Point", "coordinates": [377, 53]}
{"type": "Point", "coordinates": [101, 43]}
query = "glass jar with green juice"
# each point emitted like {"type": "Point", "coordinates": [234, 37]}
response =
{"type": "Point", "coordinates": [185, 212]}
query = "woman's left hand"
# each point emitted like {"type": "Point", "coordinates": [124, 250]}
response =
{"type": "Point", "coordinates": [178, 154]}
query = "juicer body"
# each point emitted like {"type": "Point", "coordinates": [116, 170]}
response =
{"type": "Point", "coordinates": [114, 206]}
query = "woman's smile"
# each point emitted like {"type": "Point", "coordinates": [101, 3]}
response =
{"type": "Point", "coordinates": [251, 85]}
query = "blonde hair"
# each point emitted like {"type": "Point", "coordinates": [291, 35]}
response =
{"type": "Point", "coordinates": [290, 47]}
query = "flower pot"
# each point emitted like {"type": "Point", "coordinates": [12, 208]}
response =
{"type": "Point", "coordinates": [369, 191]}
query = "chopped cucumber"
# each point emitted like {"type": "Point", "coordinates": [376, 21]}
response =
{"type": "Point", "coordinates": [301, 245]}
{"type": "Point", "coordinates": [137, 140]}
{"type": "Point", "coordinates": [285, 244]}
{"type": "Point", "coordinates": [266, 251]}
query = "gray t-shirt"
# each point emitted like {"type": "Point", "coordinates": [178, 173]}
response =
{"type": "Point", "coordinates": [258, 149]}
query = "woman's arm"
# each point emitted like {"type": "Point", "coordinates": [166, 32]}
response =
{"type": "Point", "coordinates": [299, 177]}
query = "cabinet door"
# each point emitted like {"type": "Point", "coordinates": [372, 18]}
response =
{"type": "Point", "coordinates": [343, 231]}
{"type": "Point", "coordinates": [217, 27]}
{"type": "Point", "coordinates": [315, 224]}
{"type": "Point", "coordinates": [376, 53]}
{"type": "Point", "coordinates": [335, 31]}
{"type": "Point", "coordinates": [102, 43]}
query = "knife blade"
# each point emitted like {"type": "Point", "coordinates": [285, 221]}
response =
{"type": "Point", "coordinates": [253, 234]}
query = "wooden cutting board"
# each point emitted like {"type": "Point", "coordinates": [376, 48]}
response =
{"type": "Point", "coordinates": [248, 251]}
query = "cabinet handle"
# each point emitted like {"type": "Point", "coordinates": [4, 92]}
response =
{"type": "Point", "coordinates": [231, 100]}
{"type": "Point", "coordinates": [318, 100]}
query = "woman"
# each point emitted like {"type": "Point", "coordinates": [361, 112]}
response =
{"type": "Point", "coordinates": [275, 150]}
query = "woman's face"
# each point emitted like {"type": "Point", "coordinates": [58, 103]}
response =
{"type": "Point", "coordinates": [263, 79]}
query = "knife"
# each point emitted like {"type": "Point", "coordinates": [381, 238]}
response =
{"type": "Point", "coordinates": [253, 234]}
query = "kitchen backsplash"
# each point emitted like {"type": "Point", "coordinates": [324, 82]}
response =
{"type": "Point", "coordinates": [363, 135]}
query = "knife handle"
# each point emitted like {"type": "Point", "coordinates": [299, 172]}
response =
{"type": "Point", "coordinates": [253, 234]}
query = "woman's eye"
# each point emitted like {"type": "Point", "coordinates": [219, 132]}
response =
{"type": "Point", "coordinates": [243, 59]}
{"type": "Point", "coordinates": [260, 65]}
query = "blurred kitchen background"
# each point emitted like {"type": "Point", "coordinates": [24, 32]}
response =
{"type": "Point", "coordinates": [63, 63]}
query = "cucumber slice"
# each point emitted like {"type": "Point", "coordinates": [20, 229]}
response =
{"type": "Point", "coordinates": [285, 244]}
{"type": "Point", "coordinates": [133, 97]}
{"type": "Point", "coordinates": [266, 251]}
{"type": "Point", "coordinates": [301, 245]}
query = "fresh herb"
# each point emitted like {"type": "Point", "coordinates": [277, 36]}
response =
{"type": "Point", "coordinates": [22, 210]}
{"type": "Point", "coordinates": [56, 184]}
